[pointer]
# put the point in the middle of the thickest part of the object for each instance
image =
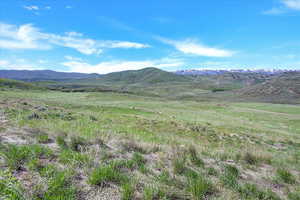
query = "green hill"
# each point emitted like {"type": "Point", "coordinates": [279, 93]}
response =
{"type": "Point", "coordinates": [284, 88]}
{"type": "Point", "coordinates": [144, 76]}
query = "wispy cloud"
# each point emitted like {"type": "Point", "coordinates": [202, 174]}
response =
{"type": "Point", "coordinates": [29, 37]}
{"type": "Point", "coordinates": [18, 64]}
{"type": "Point", "coordinates": [32, 7]}
{"type": "Point", "coordinates": [193, 47]}
{"type": "Point", "coordinates": [274, 11]}
{"type": "Point", "coordinates": [119, 65]}
{"type": "Point", "coordinates": [23, 37]}
{"type": "Point", "coordinates": [283, 7]}
{"type": "Point", "coordinates": [292, 4]}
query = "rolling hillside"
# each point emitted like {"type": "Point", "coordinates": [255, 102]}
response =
{"type": "Point", "coordinates": [231, 80]}
{"type": "Point", "coordinates": [144, 76]}
{"type": "Point", "coordinates": [285, 87]}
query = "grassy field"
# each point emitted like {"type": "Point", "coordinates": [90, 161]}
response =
{"type": "Point", "coordinates": [57, 145]}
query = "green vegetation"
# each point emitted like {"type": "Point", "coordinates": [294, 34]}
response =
{"type": "Point", "coordinates": [13, 84]}
{"type": "Point", "coordinates": [285, 176]}
{"type": "Point", "coordinates": [123, 146]}
{"type": "Point", "coordinates": [10, 187]}
{"type": "Point", "coordinates": [199, 188]}
{"type": "Point", "coordinates": [108, 173]}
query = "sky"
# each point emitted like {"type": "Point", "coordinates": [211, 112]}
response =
{"type": "Point", "coordinates": [98, 36]}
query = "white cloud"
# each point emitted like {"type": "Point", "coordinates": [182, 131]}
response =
{"type": "Point", "coordinates": [73, 58]}
{"type": "Point", "coordinates": [48, 7]}
{"type": "Point", "coordinates": [74, 34]}
{"type": "Point", "coordinates": [69, 7]}
{"type": "Point", "coordinates": [286, 5]}
{"type": "Point", "coordinates": [126, 45]}
{"type": "Point", "coordinates": [292, 4]}
{"type": "Point", "coordinates": [29, 37]}
{"type": "Point", "coordinates": [41, 61]}
{"type": "Point", "coordinates": [23, 37]}
{"type": "Point", "coordinates": [3, 62]}
{"type": "Point", "coordinates": [118, 65]}
{"type": "Point", "coordinates": [192, 47]}
{"type": "Point", "coordinates": [18, 64]}
{"type": "Point", "coordinates": [32, 7]}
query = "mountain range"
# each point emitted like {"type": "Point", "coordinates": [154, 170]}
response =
{"type": "Point", "coordinates": [277, 86]}
{"type": "Point", "coordinates": [43, 75]}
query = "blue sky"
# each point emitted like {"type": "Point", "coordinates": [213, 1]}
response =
{"type": "Point", "coordinates": [105, 36]}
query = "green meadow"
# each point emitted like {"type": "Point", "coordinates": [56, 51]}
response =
{"type": "Point", "coordinates": [103, 145]}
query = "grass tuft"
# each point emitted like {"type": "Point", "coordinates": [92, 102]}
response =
{"type": "Point", "coordinates": [194, 157]}
{"type": "Point", "coordinates": [16, 156]}
{"type": "Point", "coordinates": [127, 191]}
{"type": "Point", "coordinates": [10, 187]}
{"type": "Point", "coordinates": [178, 165]}
{"type": "Point", "coordinates": [230, 177]}
{"type": "Point", "coordinates": [60, 141]}
{"type": "Point", "coordinates": [251, 191]}
{"type": "Point", "coordinates": [285, 176]}
{"type": "Point", "coordinates": [43, 138]}
{"type": "Point", "coordinates": [73, 158]}
{"type": "Point", "coordinates": [199, 187]}
{"type": "Point", "coordinates": [104, 174]}
{"type": "Point", "coordinates": [250, 159]}
{"type": "Point", "coordinates": [77, 143]}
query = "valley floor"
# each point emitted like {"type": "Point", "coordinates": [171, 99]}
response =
{"type": "Point", "coordinates": [57, 145]}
